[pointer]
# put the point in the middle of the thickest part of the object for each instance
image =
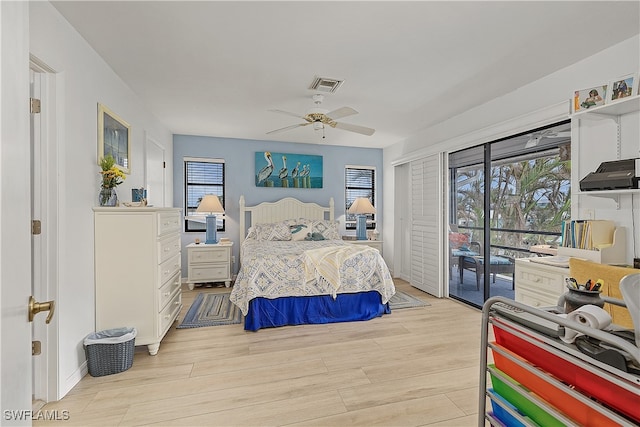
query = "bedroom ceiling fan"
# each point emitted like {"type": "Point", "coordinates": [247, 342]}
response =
{"type": "Point", "coordinates": [536, 137]}
{"type": "Point", "coordinates": [320, 117]}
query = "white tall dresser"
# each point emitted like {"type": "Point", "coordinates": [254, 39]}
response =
{"type": "Point", "coordinates": [137, 271]}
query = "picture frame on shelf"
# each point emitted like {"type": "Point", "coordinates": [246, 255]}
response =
{"type": "Point", "coordinates": [622, 87]}
{"type": "Point", "coordinates": [591, 97]}
{"type": "Point", "coordinates": [114, 137]}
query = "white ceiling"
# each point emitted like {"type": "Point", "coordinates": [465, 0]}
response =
{"type": "Point", "coordinates": [215, 68]}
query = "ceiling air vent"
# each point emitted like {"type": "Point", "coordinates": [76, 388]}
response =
{"type": "Point", "coordinates": [323, 84]}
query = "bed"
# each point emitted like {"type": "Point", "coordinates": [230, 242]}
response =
{"type": "Point", "coordinates": [295, 268]}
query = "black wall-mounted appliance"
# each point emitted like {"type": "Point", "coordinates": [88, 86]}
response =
{"type": "Point", "coordinates": [614, 175]}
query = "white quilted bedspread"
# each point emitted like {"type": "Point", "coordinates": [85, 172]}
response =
{"type": "Point", "coordinates": [273, 269]}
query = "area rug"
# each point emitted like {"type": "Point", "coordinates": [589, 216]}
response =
{"type": "Point", "coordinates": [403, 300]}
{"type": "Point", "coordinates": [211, 310]}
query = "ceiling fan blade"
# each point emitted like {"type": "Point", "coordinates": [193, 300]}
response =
{"type": "Point", "coordinates": [288, 128]}
{"type": "Point", "coordinates": [355, 128]}
{"type": "Point", "coordinates": [341, 112]}
{"type": "Point", "coordinates": [300, 116]}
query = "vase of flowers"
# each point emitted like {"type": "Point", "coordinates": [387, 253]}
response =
{"type": "Point", "coordinates": [111, 178]}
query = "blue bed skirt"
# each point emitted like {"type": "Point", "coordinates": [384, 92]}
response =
{"type": "Point", "coordinates": [269, 313]}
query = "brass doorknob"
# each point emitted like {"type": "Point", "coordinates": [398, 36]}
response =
{"type": "Point", "coordinates": [37, 307]}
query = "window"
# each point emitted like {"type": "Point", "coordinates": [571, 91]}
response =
{"type": "Point", "coordinates": [202, 176]}
{"type": "Point", "coordinates": [359, 182]}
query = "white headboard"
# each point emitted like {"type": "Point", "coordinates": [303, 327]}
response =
{"type": "Point", "coordinates": [286, 208]}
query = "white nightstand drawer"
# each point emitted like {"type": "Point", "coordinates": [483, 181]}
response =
{"type": "Point", "coordinates": [210, 254]}
{"type": "Point", "coordinates": [209, 273]}
{"type": "Point", "coordinates": [167, 291]}
{"type": "Point", "coordinates": [169, 247]}
{"type": "Point", "coordinates": [168, 269]}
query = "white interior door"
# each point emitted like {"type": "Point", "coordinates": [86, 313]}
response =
{"type": "Point", "coordinates": [154, 172]}
{"type": "Point", "coordinates": [426, 225]}
{"type": "Point", "coordinates": [15, 215]}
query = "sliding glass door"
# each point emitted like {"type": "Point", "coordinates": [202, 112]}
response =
{"type": "Point", "coordinates": [505, 196]}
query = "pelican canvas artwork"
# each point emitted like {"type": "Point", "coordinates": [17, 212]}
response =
{"type": "Point", "coordinates": [288, 170]}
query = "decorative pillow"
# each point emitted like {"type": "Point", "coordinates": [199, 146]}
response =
{"type": "Point", "coordinates": [458, 241]}
{"type": "Point", "coordinates": [329, 229]}
{"type": "Point", "coordinates": [299, 230]}
{"type": "Point", "coordinates": [274, 231]}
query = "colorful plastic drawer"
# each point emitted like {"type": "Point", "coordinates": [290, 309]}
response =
{"type": "Point", "coordinates": [585, 381]}
{"type": "Point", "coordinates": [584, 414]}
{"type": "Point", "coordinates": [501, 414]}
{"type": "Point", "coordinates": [506, 390]}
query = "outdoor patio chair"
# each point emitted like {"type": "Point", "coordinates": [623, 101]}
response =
{"type": "Point", "coordinates": [497, 265]}
{"type": "Point", "coordinates": [460, 246]}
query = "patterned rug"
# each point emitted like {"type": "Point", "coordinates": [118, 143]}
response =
{"type": "Point", "coordinates": [211, 310]}
{"type": "Point", "coordinates": [404, 300]}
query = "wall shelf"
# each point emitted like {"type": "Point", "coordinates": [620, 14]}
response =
{"type": "Point", "coordinates": [619, 108]}
{"type": "Point", "coordinates": [611, 194]}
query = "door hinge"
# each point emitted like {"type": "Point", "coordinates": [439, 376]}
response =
{"type": "Point", "coordinates": [164, 165]}
{"type": "Point", "coordinates": [36, 227]}
{"type": "Point", "coordinates": [35, 105]}
{"type": "Point", "coordinates": [36, 348]}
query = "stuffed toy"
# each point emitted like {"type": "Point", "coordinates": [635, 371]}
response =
{"type": "Point", "coordinates": [314, 236]}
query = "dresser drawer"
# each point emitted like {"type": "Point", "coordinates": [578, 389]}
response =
{"type": "Point", "coordinates": [540, 280]}
{"type": "Point", "coordinates": [168, 269]}
{"type": "Point", "coordinates": [208, 255]}
{"type": "Point", "coordinates": [536, 299]}
{"type": "Point", "coordinates": [168, 222]}
{"type": "Point", "coordinates": [208, 273]}
{"type": "Point", "coordinates": [169, 247]}
{"type": "Point", "coordinates": [167, 291]}
{"type": "Point", "coordinates": [169, 313]}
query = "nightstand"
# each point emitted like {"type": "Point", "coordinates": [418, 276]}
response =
{"type": "Point", "coordinates": [375, 244]}
{"type": "Point", "coordinates": [209, 263]}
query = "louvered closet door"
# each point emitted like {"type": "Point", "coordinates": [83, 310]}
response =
{"type": "Point", "coordinates": [426, 224]}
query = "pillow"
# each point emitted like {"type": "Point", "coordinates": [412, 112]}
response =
{"type": "Point", "coordinates": [274, 231]}
{"type": "Point", "coordinates": [458, 241]}
{"type": "Point", "coordinates": [298, 230]}
{"type": "Point", "coordinates": [328, 229]}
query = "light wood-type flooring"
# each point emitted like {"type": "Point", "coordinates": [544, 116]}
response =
{"type": "Point", "coordinates": [414, 367]}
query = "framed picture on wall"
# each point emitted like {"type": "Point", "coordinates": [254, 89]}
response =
{"type": "Point", "coordinates": [622, 87]}
{"type": "Point", "coordinates": [114, 137]}
{"type": "Point", "coordinates": [589, 98]}
{"type": "Point", "coordinates": [287, 170]}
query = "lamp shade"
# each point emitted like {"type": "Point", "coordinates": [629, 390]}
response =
{"type": "Point", "coordinates": [210, 204]}
{"type": "Point", "coordinates": [362, 205]}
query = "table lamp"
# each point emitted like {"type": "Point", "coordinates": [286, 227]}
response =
{"type": "Point", "coordinates": [361, 207]}
{"type": "Point", "coordinates": [210, 205]}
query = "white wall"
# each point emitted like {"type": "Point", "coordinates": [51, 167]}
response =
{"type": "Point", "coordinates": [83, 79]}
{"type": "Point", "coordinates": [541, 102]}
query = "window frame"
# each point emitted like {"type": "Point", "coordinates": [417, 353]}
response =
{"type": "Point", "coordinates": [194, 226]}
{"type": "Point", "coordinates": [350, 224]}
